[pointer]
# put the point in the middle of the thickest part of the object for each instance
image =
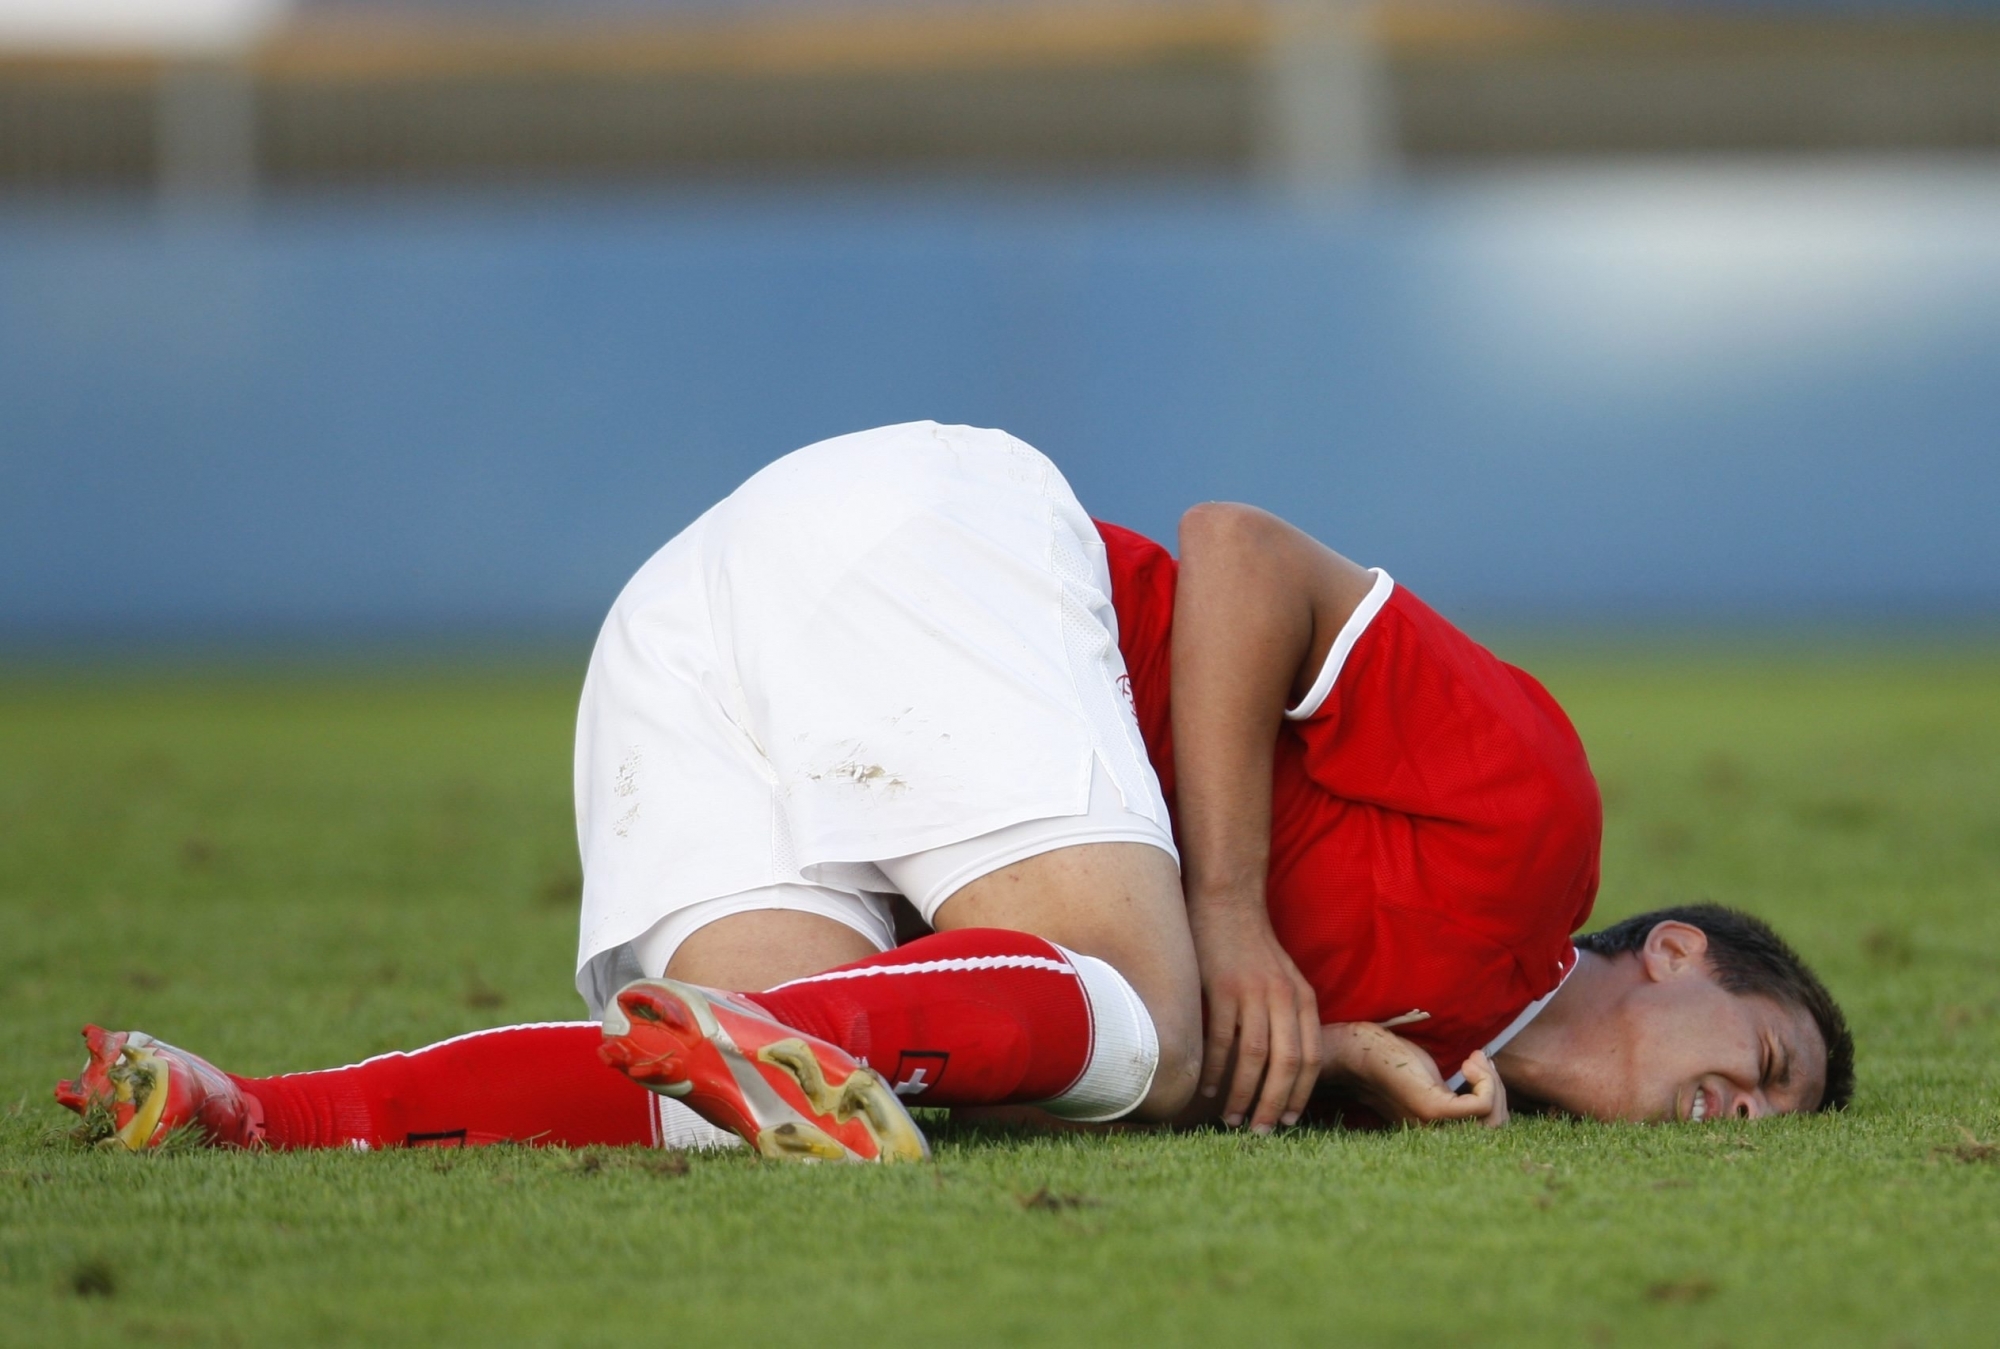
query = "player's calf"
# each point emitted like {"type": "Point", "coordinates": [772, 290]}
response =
{"type": "Point", "coordinates": [969, 1017]}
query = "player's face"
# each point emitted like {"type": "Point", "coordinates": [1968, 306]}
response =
{"type": "Point", "coordinates": [1698, 1053]}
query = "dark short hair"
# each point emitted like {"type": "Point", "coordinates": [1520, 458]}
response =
{"type": "Point", "coordinates": [1749, 958]}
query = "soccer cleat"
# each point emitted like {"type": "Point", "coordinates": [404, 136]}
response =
{"type": "Point", "coordinates": [786, 1094]}
{"type": "Point", "coordinates": [146, 1089]}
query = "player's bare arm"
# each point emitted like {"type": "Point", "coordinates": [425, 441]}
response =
{"type": "Point", "coordinates": [1400, 1082]}
{"type": "Point", "coordinates": [1257, 608]}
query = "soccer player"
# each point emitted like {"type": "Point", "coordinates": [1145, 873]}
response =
{"type": "Point", "coordinates": [902, 673]}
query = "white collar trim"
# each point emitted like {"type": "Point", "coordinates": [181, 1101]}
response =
{"type": "Point", "coordinates": [1520, 1023]}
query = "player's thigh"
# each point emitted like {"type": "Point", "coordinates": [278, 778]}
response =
{"type": "Point", "coordinates": [1122, 903]}
{"type": "Point", "coordinates": [762, 948]}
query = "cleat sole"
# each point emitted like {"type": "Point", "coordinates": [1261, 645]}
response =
{"type": "Point", "coordinates": [797, 1141]}
{"type": "Point", "coordinates": [685, 1012]}
{"type": "Point", "coordinates": [863, 1094]}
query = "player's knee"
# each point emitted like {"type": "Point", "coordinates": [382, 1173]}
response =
{"type": "Point", "coordinates": [1144, 1054]}
{"type": "Point", "coordinates": [1174, 1082]}
{"type": "Point", "coordinates": [1177, 1027]}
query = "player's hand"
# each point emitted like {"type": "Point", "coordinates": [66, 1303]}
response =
{"type": "Point", "coordinates": [1399, 1081]}
{"type": "Point", "coordinates": [1262, 1016]}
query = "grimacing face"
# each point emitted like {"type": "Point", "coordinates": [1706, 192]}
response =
{"type": "Point", "coordinates": [1679, 1047]}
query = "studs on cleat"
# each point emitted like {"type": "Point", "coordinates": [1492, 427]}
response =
{"type": "Point", "coordinates": [648, 1002]}
{"type": "Point", "coordinates": [800, 1064]}
{"type": "Point", "coordinates": [863, 1093]}
{"type": "Point", "coordinates": [800, 1142]}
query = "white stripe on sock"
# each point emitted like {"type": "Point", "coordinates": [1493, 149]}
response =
{"type": "Point", "coordinates": [470, 1035]}
{"type": "Point", "coordinates": [939, 967]}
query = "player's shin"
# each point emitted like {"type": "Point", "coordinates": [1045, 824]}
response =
{"type": "Point", "coordinates": [985, 1016]}
{"type": "Point", "coordinates": [821, 1067]}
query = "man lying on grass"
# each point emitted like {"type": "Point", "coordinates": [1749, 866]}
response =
{"type": "Point", "coordinates": [903, 672]}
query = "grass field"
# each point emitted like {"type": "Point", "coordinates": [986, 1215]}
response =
{"type": "Point", "coordinates": [287, 872]}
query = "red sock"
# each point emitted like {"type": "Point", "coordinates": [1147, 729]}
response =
{"type": "Point", "coordinates": [520, 1084]}
{"type": "Point", "coordinates": [979, 1016]}
{"type": "Point", "coordinates": [973, 1017]}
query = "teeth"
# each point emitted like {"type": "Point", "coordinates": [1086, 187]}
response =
{"type": "Point", "coordinates": [1700, 1107]}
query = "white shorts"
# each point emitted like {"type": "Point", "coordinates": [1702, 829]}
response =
{"type": "Point", "coordinates": [882, 663]}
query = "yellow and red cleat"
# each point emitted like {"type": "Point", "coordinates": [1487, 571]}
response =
{"type": "Point", "coordinates": [144, 1090]}
{"type": "Point", "coordinates": [786, 1094]}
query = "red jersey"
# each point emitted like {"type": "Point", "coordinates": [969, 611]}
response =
{"type": "Point", "coordinates": [1434, 823]}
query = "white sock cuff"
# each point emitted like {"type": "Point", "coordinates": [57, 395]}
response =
{"type": "Point", "coordinates": [1124, 1047]}
{"type": "Point", "coordinates": [676, 1126]}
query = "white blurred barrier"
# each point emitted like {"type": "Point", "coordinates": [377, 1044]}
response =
{"type": "Point", "coordinates": [1315, 97]}
{"type": "Point", "coordinates": [206, 122]}
{"type": "Point", "coordinates": [206, 132]}
{"type": "Point", "coordinates": [165, 27]}
{"type": "Point", "coordinates": [1328, 122]}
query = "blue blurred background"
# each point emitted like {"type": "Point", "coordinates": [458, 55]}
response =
{"type": "Point", "coordinates": [1567, 361]}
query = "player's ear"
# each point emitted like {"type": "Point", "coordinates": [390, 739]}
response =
{"type": "Point", "coordinates": [1673, 950]}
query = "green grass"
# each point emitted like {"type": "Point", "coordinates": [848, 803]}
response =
{"type": "Point", "coordinates": [286, 872]}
